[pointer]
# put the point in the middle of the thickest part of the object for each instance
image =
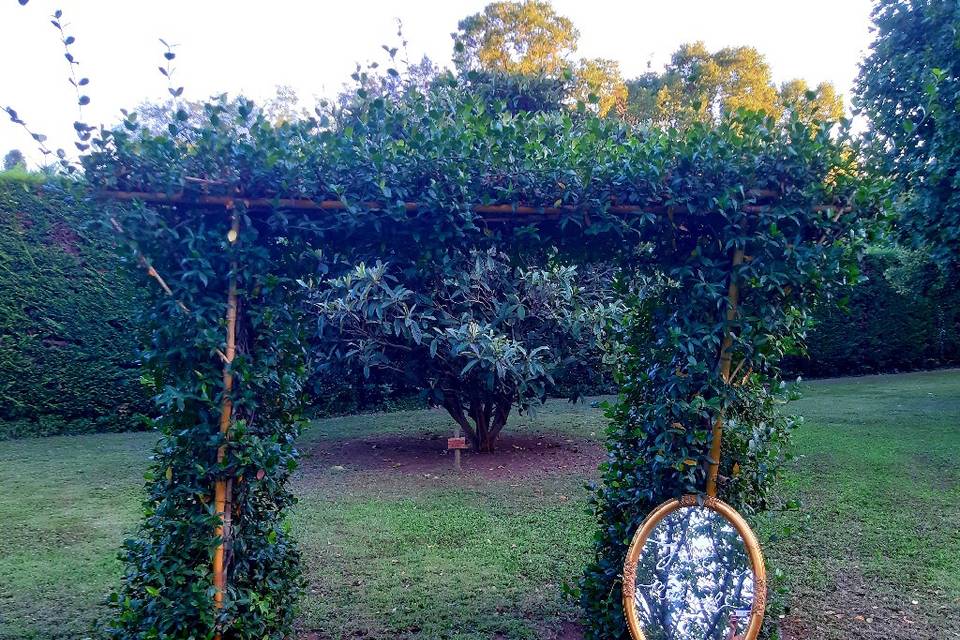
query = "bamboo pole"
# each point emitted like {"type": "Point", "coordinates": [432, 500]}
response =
{"type": "Point", "coordinates": [223, 486]}
{"type": "Point", "coordinates": [733, 298]}
{"type": "Point", "coordinates": [489, 212]}
{"type": "Point", "coordinates": [148, 267]}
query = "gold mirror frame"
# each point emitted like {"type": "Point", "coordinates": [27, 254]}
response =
{"type": "Point", "coordinates": [749, 542]}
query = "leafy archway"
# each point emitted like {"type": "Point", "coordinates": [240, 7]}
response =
{"type": "Point", "coordinates": [741, 225]}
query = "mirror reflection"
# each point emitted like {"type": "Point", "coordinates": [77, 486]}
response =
{"type": "Point", "coordinates": [694, 579]}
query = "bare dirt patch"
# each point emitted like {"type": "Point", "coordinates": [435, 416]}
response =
{"type": "Point", "coordinates": [517, 456]}
{"type": "Point", "coordinates": [859, 608]}
{"type": "Point", "coordinates": [570, 631]}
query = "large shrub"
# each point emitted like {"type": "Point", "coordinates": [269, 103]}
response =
{"type": "Point", "coordinates": [476, 333]}
{"type": "Point", "coordinates": [67, 338]}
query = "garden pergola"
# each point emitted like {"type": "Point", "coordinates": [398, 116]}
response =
{"type": "Point", "coordinates": [746, 222]}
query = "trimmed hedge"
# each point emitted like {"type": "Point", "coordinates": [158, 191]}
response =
{"type": "Point", "coordinates": [67, 335]}
{"type": "Point", "coordinates": [902, 317]}
{"type": "Point", "coordinates": [346, 392]}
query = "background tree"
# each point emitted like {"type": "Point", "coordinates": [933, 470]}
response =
{"type": "Point", "coordinates": [525, 52]}
{"type": "Point", "coordinates": [700, 86]}
{"type": "Point", "coordinates": [642, 93]}
{"type": "Point", "coordinates": [909, 88]}
{"type": "Point", "coordinates": [516, 38]}
{"type": "Point", "coordinates": [478, 335]}
{"type": "Point", "coordinates": [13, 159]}
{"type": "Point", "coordinates": [807, 105]}
{"type": "Point", "coordinates": [598, 82]}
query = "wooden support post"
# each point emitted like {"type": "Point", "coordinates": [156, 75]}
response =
{"type": "Point", "coordinates": [456, 452]}
{"type": "Point", "coordinates": [223, 487]}
{"type": "Point", "coordinates": [733, 298]}
{"type": "Point", "coordinates": [456, 443]}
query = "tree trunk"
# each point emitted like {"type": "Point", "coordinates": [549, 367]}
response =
{"type": "Point", "coordinates": [500, 409]}
{"type": "Point", "coordinates": [487, 414]}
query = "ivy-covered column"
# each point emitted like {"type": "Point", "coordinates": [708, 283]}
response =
{"type": "Point", "coordinates": [760, 224]}
{"type": "Point", "coordinates": [227, 359]}
{"type": "Point", "coordinates": [223, 487]}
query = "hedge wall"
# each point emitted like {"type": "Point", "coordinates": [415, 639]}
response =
{"type": "Point", "coordinates": [67, 338]}
{"type": "Point", "coordinates": [903, 317]}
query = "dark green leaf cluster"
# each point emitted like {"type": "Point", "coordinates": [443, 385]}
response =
{"type": "Point", "coordinates": [477, 334]}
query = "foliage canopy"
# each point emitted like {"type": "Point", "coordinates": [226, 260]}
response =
{"type": "Point", "coordinates": [526, 38]}
{"type": "Point", "coordinates": [524, 43]}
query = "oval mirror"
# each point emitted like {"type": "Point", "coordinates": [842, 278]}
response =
{"type": "Point", "coordinates": [694, 572]}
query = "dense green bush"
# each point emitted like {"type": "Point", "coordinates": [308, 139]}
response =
{"type": "Point", "coordinates": [901, 317]}
{"type": "Point", "coordinates": [909, 89]}
{"type": "Point", "coordinates": [67, 341]}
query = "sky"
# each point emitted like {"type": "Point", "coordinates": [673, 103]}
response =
{"type": "Point", "coordinates": [250, 47]}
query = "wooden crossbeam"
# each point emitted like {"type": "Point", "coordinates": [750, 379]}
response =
{"type": "Point", "coordinates": [490, 212]}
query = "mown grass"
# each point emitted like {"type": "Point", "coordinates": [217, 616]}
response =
{"type": "Point", "coordinates": [878, 549]}
{"type": "Point", "coordinates": [65, 505]}
{"type": "Point", "coordinates": [412, 555]}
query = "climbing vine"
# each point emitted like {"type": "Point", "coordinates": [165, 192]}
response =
{"type": "Point", "coordinates": [702, 360]}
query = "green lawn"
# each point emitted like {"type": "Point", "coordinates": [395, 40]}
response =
{"type": "Point", "coordinates": [397, 545]}
{"type": "Point", "coordinates": [879, 478]}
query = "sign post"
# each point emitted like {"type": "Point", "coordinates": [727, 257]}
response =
{"type": "Point", "coordinates": [456, 443]}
